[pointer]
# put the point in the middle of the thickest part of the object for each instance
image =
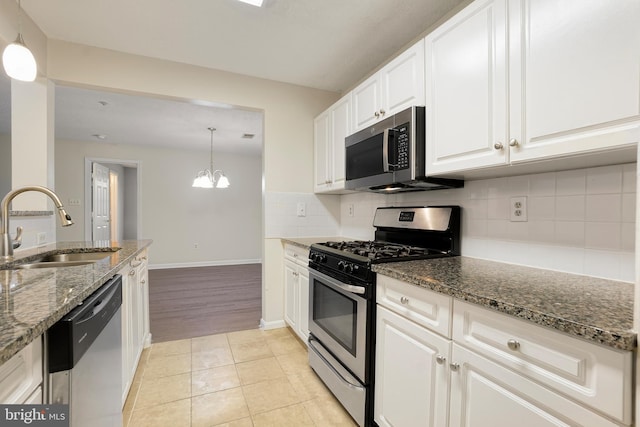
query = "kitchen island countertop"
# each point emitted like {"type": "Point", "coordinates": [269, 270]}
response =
{"type": "Point", "coordinates": [34, 299]}
{"type": "Point", "coordinates": [594, 309]}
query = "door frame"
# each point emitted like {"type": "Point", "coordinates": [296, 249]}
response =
{"type": "Point", "coordinates": [88, 161]}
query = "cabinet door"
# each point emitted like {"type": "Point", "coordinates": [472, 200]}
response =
{"type": "Point", "coordinates": [291, 294]}
{"type": "Point", "coordinates": [484, 393]}
{"type": "Point", "coordinates": [412, 385]}
{"type": "Point", "coordinates": [367, 103]}
{"type": "Point", "coordinates": [340, 129]}
{"type": "Point", "coordinates": [303, 329]}
{"type": "Point", "coordinates": [575, 76]}
{"type": "Point", "coordinates": [127, 341]}
{"type": "Point", "coordinates": [322, 132]}
{"type": "Point", "coordinates": [466, 90]}
{"type": "Point", "coordinates": [403, 80]}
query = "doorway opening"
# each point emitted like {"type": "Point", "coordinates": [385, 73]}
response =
{"type": "Point", "coordinates": [113, 187]}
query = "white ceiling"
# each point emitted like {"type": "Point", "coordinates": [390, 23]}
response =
{"type": "Point", "coordinates": [324, 44]}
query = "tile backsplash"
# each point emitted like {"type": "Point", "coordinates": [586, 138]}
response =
{"type": "Point", "coordinates": [579, 221]}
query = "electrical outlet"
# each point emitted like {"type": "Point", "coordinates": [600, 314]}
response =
{"type": "Point", "coordinates": [301, 209]}
{"type": "Point", "coordinates": [518, 209]}
{"type": "Point", "coordinates": [350, 208]}
{"type": "Point", "coordinates": [41, 238]}
{"type": "Point", "coordinates": [195, 246]}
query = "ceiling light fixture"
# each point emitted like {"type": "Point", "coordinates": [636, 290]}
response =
{"type": "Point", "coordinates": [253, 2]}
{"type": "Point", "coordinates": [208, 179]}
{"type": "Point", "coordinates": [17, 59]}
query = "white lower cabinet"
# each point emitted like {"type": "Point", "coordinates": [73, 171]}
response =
{"type": "Point", "coordinates": [21, 376]}
{"type": "Point", "coordinates": [475, 367]}
{"type": "Point", "coordinates": [296, 290]}
{"type": "Point", "coordinates": [135, 318]}
{"type": "Point", "coordinates": [410, 359]}
{"type": "Point", "coordinates": [485, 393]}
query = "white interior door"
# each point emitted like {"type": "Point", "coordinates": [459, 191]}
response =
{"type": "Point", "coordinates": [101, 215]}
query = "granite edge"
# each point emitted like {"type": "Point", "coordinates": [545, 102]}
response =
{"type": "Point", "coordinates": [621, 340]}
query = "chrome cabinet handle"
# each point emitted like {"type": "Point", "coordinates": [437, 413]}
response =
{"type": "Point", "coordinates": [132, 272]}
{"type": "Point", "coordinates": [143, 281]}
{"type": "Point", "coordinates": [513, 345]}
{"type": "Point", "coordinates": [404, 300]}
{"type": "Point", "coordinates": [440, 359]}
{"type": "Point", "coordinates": [382, 112]}
{"type": "Point", "coordinates": [376, 114]}
{"type": "Point", "coordinates": [513, 142]}
{"type": "Point", "coordinates": [454, 366]}
{"type": "Point", "coordinates": [498, 146]}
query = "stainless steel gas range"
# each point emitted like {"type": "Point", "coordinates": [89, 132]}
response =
{"type": "Point", "coordinates": [342, 295]}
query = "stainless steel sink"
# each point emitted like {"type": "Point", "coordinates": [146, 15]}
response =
{"type": "Point", "coordinates": [65, 260]}
{"type": "Point", "coordinates": [52, 264]}
{"type": "Point", "coordinates": [81, 256]}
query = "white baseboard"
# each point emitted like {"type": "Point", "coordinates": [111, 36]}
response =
{"type": "Point", "coordinates": [204, 264]}
{"type": "Point", "coordinates": [264, 325]}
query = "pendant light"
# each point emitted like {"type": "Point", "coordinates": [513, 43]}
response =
{"type": "Point", "coordinates": [208, 179]}
{"type": "Point", "coordinates": [17, 59]}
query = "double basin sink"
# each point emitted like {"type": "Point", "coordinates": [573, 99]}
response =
{"type": "Point", "coordinates": [64, 260]}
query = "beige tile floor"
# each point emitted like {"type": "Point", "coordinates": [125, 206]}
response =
{"type": "Point", "coordinates": [249, 378]}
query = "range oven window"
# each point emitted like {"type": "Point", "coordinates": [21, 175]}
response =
{"type": "Point", "coordinates": [336, 314]}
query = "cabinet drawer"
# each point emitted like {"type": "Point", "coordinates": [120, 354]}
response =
{"type": "Point", "coordinates": [595, 375]}
{"type": "Point", "coordinates": [427, 308]}
{"type": "Point", "coordinates": [22, 374]}
{"type": "Point", "coordinates": [296, 254]}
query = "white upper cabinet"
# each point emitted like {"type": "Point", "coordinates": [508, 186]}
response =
{"type": "Point", "coordinates": [397, 86]}
{"type": "Point", "coordinates": [516, 81]}
{"type": "Point", "coordinates": [330, 129]}
{"type": "Point", "coordinates": [574, 76]}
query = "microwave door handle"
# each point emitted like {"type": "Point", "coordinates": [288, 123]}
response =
{"type": "Point", "coordinates": [386, 165]}
{"type": "Point", "coordinates": [385, 150]}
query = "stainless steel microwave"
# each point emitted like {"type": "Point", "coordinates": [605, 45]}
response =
{"type": "Point", "coordinates": [389, 156]}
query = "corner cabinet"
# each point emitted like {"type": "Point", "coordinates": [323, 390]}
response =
{"type": "Point", "coordinates": [444, 362]}
{"type": "Point", "coordinates": [296, 290]}
{"type": "Point", "coordinates": [397, 86]}
{"type": "Point", "coordinates": [135, 317]}
{"type": "Point", "coordinates": [330, 129]}
{"type": "Point", "coordinates": [518, 81]}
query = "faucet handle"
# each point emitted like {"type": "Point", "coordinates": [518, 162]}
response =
{"type": "Point", "coordinates": [18, 240]}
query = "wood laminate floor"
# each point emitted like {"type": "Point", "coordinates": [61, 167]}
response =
{"type": "Point", "coordinates": [194, 302]}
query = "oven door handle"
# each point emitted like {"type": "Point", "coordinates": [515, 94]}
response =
{"type": "Point", "coordinates": [318, 351]}
{"type": "Point", "coordinates": [360, 290]}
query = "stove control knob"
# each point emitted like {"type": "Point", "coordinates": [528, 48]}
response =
{"type": "Point", "coordinates": [341, 265]}
{"type": "Point", "coordinates": [322, 259]}
{"type": "Point", "coordinates": [348, 268]}
{"type": "Point", "coordinates": [314, 257]}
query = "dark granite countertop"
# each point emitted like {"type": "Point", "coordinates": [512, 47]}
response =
{"type": "Point", "coordinates": [33, 300]}
{"type": "Point", "coordinates": [306, 242]}
{"type": "Point", "coordinates": [590, 308]}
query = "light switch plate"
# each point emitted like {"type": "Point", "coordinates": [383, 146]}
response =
{"type": "Point", "coordinates": [74, 202]}
{"type": "Point", "coordinates": [301, 209]}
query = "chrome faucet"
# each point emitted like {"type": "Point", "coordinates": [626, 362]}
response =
{"type": "Point", "coordinates": [7, 244]}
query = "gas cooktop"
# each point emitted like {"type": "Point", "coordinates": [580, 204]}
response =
{"type": "Point", "coordinates": [382, 251]}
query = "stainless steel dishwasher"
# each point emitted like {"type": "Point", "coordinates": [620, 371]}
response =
{"type": "Point", "coordinates": [84, 354]}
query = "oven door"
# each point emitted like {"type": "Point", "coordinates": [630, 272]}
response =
{"type": "Point", "coordinates": [338, 320]}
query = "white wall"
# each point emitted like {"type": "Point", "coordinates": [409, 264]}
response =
{"type": "Point", "coordinates": [579, 221]}
{"type": "Point", "coordinates": [224, 224]}
{"type": "Point", "coordinates": [5, 164]}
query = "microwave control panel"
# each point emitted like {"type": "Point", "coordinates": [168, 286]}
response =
{"type": "Point", "coordinates": [402, 160]}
